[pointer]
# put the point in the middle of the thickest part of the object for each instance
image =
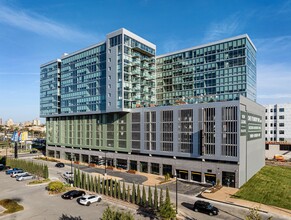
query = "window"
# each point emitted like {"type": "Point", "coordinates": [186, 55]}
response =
{"type": "Point", "coordinates": [271, 110]}
{"type": "Point", "coordinates": [266, 110]}
{"type": "Point", "coordinates": [271, 117]}
{"type": "Point", "coordinates": [267, 147]}
{"type": "Point", "coordinates": [281, 124]}
{"type": "Point", "coordinates": [281, 132]}
{"type": "Point", "coordinates": [281, 109]}
{"type": "Point", "coordinates": [266, 117]}
{"type": "Point", "coordinates": [281, 117]}
{"type": "Point", "coordinates": [285, 147]}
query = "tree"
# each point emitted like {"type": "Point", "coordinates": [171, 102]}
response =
{"type": "Point", "coordinates": [123, 192]}
{"type": "Point", "coordinates": [133, 194]}
{"type": "Point", "coordinates": [128, 194]}
{"type": "Point", "coordinates": [156, 198]}
{"type": "Point", "coordinates": [111, 188]}
{"type": "Point", "coordinates": [138, 202]}
{"type": "Point", "coordinates": [108, 214]}
{"type": "Point", "coordinates": [88, 182]}
{"type": "Point", "coordinates": [75, 177]}
{"type": "Point", "coordinates": [144, 197]}
{"type": "Point", "coordinates": [161, 198]}
{"type": "Point", "coordinates": [83, 181]}
{"type": "Point", "coordinates": [78, 178]}
{"type": "Point", "coordinates": [166, 209]}
{"type": "Point", "coordinates": [115, 189]}
{"type": "Point", "coordinates": [95, 184]}
{"type": "Point", "coordinates": [119, 190]}
{"type": "Point", "coordinates": [98, 185]}
{"type": "Point", "coordinates": [92, 185]}
{"type": "Point", "coordinates": [103, 186]}
{"type": "Point", "coordinates": [107, 188]}
{"type": "Point", "coordinates": [150, 200]}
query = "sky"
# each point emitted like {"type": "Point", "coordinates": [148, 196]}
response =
{"type": "Point", "coordinates": [35, 32]}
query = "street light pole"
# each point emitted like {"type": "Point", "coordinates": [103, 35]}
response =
{"type": "Point", "coordinates": [71, 169]}
{"type": "Point", "coordinates": [176, 194]}
{"type": "Point", "coordinates": [105, 164]}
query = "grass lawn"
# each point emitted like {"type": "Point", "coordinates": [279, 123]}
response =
{"type": "Point", "coordinates": [270, 186]}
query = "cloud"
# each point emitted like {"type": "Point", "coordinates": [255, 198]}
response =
{"type": "Point", "coordinates": [38, 24]}
{"type": "Point", "coordinates": [225, 28]}
{"type": "Point", "coordinates": [273, 82]}
{"type": "Point", "coordinates": [272, 44]}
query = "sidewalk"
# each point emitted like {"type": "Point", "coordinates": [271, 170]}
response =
{"type": "Point", "coordinates": [225, 193]}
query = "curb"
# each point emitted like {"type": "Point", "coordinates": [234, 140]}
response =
{"type": "Point", "coordinates": [234, 204]}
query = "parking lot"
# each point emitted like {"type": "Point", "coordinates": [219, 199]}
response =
{"type": "Point", "coordinates": [38, 204]}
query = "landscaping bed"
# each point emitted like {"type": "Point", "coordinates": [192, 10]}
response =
{"type": "Point", "coordinates": [11, 206]}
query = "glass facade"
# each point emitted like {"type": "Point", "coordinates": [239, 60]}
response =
{"type": "Point", "coordinates": [216, 72]}
{"type": "Point", "coordinates": [83, 78]}
{"type": "Point", "coordinates": [49, 88]}
{"type": "Point", "coordinates": [139, 74]}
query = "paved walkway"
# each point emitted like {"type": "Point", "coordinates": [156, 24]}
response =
{"type": "Point", "coordinates": [225, 193]}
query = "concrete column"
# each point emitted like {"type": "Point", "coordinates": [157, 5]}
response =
{"type": "Point", "coordinates": [138, 166]}
{"type": "Point", "coordinates": [161, 169]}
{"type": "Point", "coordinates": [149, 167]}
{"type": "Point", "coordinates": [128, 164]}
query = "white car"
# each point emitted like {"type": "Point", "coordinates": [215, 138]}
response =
{"type": "Point", "coordinates": [68, 175]}
{"type": "Point", "coordinates": [15, 175]}
{"type": "Point", "coordinates": [25, 177]}
{"type": "Point", "coordinates": [89, 199]}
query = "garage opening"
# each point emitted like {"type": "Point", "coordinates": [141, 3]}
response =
{"type": "Point", "coordinates": [196, 176]}
{"type": "Point", "coordinates": [228, 179]}
{"type": "Point", "coordinates": [182, 174]}
{"type": "Point", "coordinates": [210, 178]}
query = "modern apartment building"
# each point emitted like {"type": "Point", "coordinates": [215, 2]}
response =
{"type": "Point", "coordinates": [190, 113]}
{"type": "Point", "coordinates": [278, 122]}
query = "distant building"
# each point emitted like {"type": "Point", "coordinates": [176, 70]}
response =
{"type": "Point", "coordinates": [1, 121]}
{"type": "Point", "coordinates": [9, 122]}
{"type": "Point", "coordinates": [278, 122]}
{"type": "Point", "coordinates": [36, 122]}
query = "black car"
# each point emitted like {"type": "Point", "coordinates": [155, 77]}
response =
{"type": "Point", "coordinates": [206, 207]}
{"type": "Point", "coordinates": [60, 165]}
{"type": "Point", "coordinates": [73, 194]}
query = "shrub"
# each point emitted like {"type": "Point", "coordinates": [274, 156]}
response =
{"type": "Point", "coordinates": [56, 187]}
{"type": "Point", "coordinates": [38, 181]}
{"type": "Point", "coordinates": [131, 171]}
{"type": "Point", "coordinates": [110, 214]}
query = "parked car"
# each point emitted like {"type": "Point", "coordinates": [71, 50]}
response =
{"type": "Point", "coordinates": [89, 199]}
{"type": "Point", "coordinates": [8, 172]}
{"type": "Point", "coordinates": [16, 173]}
{"type": "Point", "coordinates": [205, 207]}
{"type": "Point", "coordinates": [60, 165]}
{"type": "Point", "coordinates": [2, 167]}
{"type": "Point", "coordinates": [68, 175]}
{"type": "Point", "coordinates": [25, 177]}
{"type": "Point", "coordinates": [73, 194]}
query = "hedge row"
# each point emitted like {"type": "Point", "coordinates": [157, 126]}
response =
{"type": "Point", "coordinates": [40, 170]}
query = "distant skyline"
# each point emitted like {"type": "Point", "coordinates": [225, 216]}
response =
{"type": "Point", "coordinates": [35, 32]}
